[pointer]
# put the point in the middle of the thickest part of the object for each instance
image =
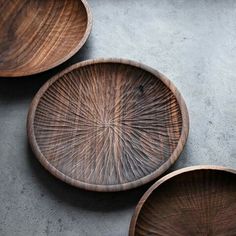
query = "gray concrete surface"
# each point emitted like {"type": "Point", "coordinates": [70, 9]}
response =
{"type": "Point", "coordinates": [193, 43]}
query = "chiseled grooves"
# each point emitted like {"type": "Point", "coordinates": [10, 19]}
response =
{"type": "Point", "coordinates": [107, 124]}
{"type": "Point", "coordinates": [195, 203]}
{"type": "Point", "coordinates": [38, 33]}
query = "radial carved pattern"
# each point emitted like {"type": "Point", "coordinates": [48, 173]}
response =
{"type": "Point", "coordinates": [202, 203]}
{"type": "Point", "coordinates": [36, 35]}
{"type": "Point", "coordinates": [107, 124]}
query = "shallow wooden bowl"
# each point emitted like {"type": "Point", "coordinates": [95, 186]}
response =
{"type": "Point", "coordinates": [198, 200]}
{"type": "Point", "coordinates": [37, 35]}
{"type": "Point", "coordinates": [108, 125]}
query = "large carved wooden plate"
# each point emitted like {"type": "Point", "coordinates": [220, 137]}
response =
{"type": "Point", "coordinates": [37, 35]}
{"type": "Point", "coordinates": [108, 125]}
{"type": "Point", "coordinates": [198, 200]}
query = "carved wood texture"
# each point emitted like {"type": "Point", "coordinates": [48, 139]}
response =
{"type": "Point", "coordinates": [200, 202]}
{"type": "Point", "coordinates": [107, 124]}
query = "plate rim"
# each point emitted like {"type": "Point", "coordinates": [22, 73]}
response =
{"type": "Point", "coordinates": [17, 74]}
{"type": "Point", "coordinates": [116, 187]}
{"type": "Point", "coordinates": [165, 178]}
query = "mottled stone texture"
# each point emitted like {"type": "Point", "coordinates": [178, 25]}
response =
{"type": "Point", "coordinates": [193, 43]}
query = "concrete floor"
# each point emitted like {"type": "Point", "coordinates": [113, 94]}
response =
{"type": "Point", "coordinates": [193, 43]}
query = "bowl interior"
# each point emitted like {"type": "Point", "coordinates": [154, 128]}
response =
{"type": "Point", "coordinates": [107, 124]}
{"type": "Point", "coordinates": [200, 202]}
{"type": "Point", "coordinates": [36, 35]}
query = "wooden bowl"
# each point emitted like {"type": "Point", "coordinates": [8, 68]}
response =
{"type": "Point", "coordinates": [37, 35]}
{"type": "Point", "coordinates": [198, 200]}
{"type": "Point", "coordinates": [108, 125]}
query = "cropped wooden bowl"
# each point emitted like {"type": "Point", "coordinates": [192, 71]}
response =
{"type": "Point", "coordinates": [108, 125]}
{"type": "Point", "coordinates": [37, 35]}
{"type": "Point", "coordinates": [198, 200]}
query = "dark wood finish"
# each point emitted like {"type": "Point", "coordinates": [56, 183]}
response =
{"type": "Point", "coordinates": [197, 200]}
{"type": "Point", "coordinates": [37, 35]}
{"type": "Point", "coordinates": [108, 125]}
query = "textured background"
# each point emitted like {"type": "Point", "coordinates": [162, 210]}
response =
{"type": "Point", "coordinates": [193, 43]}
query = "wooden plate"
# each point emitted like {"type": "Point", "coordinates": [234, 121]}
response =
{"type": "Point", "coordinates": [108, 125]}
{"type": "Point", "coordinates": [37, 35]}
{"type": "Point", "coordinates": [198, 200]}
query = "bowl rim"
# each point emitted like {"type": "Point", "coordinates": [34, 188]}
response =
{"type": "Point", "coordinates": [17, 73]}
{"type": "Point", "coordinates": [116, 187]}
{"type": "Point", "coordinates": [165, 178]}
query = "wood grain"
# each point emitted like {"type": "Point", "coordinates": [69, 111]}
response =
{"type": "Point", "coordinates": [197, 200]}
{"type": "Point", "coordinates": [108, 125]}
{"type": "Point", "coordinates": [37, 35]}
